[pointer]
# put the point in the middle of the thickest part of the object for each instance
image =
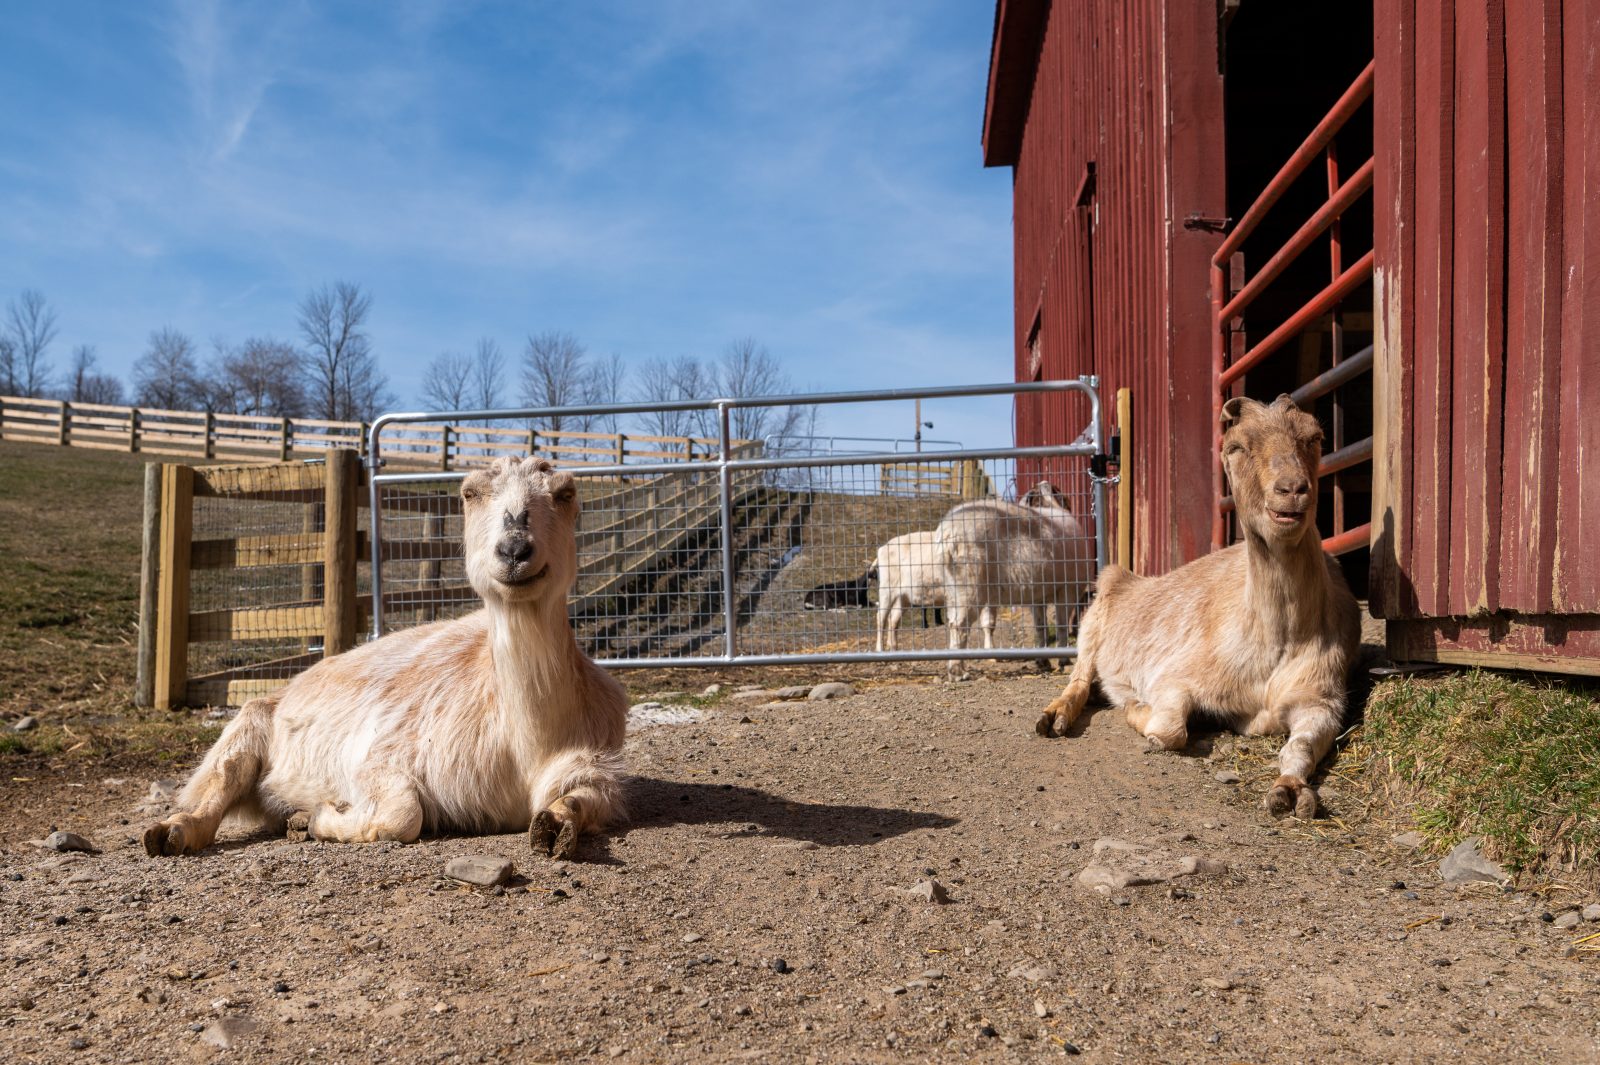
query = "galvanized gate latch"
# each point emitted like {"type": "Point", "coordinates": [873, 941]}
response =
{"type": "Point", "coordinates": [1104, 468]}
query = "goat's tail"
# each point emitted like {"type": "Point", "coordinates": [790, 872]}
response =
{"type": "Point", "coordinates": [871, 574]}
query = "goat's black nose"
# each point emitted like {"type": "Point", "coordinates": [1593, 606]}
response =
{"type": "Point", "coordinates": [512, 552]}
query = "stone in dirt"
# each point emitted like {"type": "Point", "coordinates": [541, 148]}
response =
{"type": "Point", "coordinates": [480, 869]}
{"type": "Point", "coordinates": [68, 841]}
{"type": "Point", "coordinates": [23, 724]}
{"type": "Point", "coordinates": [797, 691]}
{"type": "Point", "coordinates": [1465, 864]}
{"type": "Point", "coordinates": [162, 790]}
{"type": "Point", "coordinates": [669, 697]}
{"type": "Point", "coordinates": [1408, 840]}
{"type": "Point", "coordinates": [712, 689]}
{"type": "Point", "coordinates": [1033, 974]}
{"type": "Point", "coordinates": [1119, 864]}
{"type": "Point", "coordinates": [929, 891]}
{"type": "Point", "coordinates": [1570, 919]}
{"type": "Point", "coordinates": [227, 1031]}
{"type": "Point", "coordinates": [1592, 912]}
{"type": "Point", "coordinates": [751, 694]}
{"type": "Point", "coordinates": [1226, 776]}
{"type": "Point", "coordinates": [832, 690]}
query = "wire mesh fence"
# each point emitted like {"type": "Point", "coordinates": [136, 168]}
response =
{"type": "Point", "coordinates": [798, 556]}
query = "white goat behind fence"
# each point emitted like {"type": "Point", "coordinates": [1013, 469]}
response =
{"type": "Point", "coordinates": [1035, 555]}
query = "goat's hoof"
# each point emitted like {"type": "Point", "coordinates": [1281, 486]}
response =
{"type": "Point", "coordinates": [163, 839]}
{"type": "Point", "coordinates": [1045, 725]}
{"type": "Point", "coordinates": [298, 828]}
{"type": "Point", "coordinates": [1305, 805]}
{"type": "Point", "coordinates": [1291, 794]}
{"type": "Point", "coordinates": [550, 835]}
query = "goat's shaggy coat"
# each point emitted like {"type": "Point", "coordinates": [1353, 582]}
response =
{"type": "Point", "coordinates": [1000, 554]}
{"type": "Point", "coordinates": [482, 724]}
{"type": "Point", "coordinates": [1260, 635]}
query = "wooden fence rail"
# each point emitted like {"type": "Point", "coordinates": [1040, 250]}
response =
{"type": "Point", "coordinates": [259, 438]}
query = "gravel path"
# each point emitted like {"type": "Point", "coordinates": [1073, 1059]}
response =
{"type": "Point", "coordinates": [776, 898]}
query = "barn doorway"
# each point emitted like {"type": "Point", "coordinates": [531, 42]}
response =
{"type": "Point", "coordinates": [1291, 284]}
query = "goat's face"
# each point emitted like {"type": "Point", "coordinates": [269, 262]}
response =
{"type": "Point", "coordinates": [1271, 453]}
{"type": "Point", "coordinates": [1046, 496]}
{"type": "Point", "coordinates": [520, 519]}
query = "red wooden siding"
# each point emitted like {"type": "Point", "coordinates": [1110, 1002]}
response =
{"type": "Point", "coordinates": [1487, 535]}
{"type": "Point", "coordinates": [1110, 113]}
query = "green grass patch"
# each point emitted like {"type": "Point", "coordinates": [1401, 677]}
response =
{"type": "Point", "coordinates": [1514, 760]}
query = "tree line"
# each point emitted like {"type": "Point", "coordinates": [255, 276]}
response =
{"type": "Point", "coordinates": [330, 370]}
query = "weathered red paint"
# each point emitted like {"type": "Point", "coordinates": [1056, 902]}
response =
{"type": "Point", "coordinates": [1487, 546]}
{"type": "Point", "coordinates": [1110, 113]}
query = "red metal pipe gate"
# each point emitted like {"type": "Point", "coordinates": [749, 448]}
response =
{"type": "Point", "coordinates": [1228, 304]}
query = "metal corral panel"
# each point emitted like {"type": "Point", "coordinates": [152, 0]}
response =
{"type": "Point", "coordinates": [1110, 113]}
{"type": "Point", "coordinates": [1486, 544]}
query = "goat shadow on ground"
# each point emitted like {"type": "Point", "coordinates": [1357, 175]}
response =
{"type": "Point", "coordinates": [761, 814]}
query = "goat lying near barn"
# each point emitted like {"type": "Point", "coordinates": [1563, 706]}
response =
{"type": "Point", "coordinates": [481, 724]}
{"type": "Point", "coordinates": [838, 595]}
{"type": "Point", "coordinates": [1260, 635]}
{"type": "Point", "coordinates": [911, 574]}
{"type": "Point", "coordinates": [999, 554]}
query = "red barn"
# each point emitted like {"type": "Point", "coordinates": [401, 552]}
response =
{"type": "Point", "coordinates": [1383, 210]}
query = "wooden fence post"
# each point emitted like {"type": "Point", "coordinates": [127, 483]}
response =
{"type": "Point", "coordinates": [172, 603]}
{"type": "Point", "coordinates": [444, 448]}
{"type": "Point", "coordinates": [1125, 478]}
{"type": "Point", "coordinates": [284, 432]}
{"type": "Point", "coordinates": [533, 441]}
{"type": "Point", "coordinates": [149, 569]}
{"type": "Point", "coordinates": [133, 429]}
{"type": "Point", "coordinates": [343, 483]}
{"type": "Point", "coordinates": [211, 423]}
{"type": "Point", "coordinates": [61, 430]}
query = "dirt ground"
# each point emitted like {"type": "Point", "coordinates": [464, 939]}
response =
{"type": "Point", "coordinates": [792, 833]}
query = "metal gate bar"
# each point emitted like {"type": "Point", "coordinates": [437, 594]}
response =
{"type": "Point", "coordinates": [729, 467]}
{"type": "Point", "coordinates": [1226, 308]}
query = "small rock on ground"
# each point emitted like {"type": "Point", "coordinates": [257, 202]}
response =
{"type": "Point", "coordinates": [1226, 776]}
{"type": "Point", "coordinates": [831, 690]}
{"type": "Point", "coordinates": [227, 1031]}
{"type": "Point", "coordinates": [1465, 864]}
{"type": "Point", "coordinates": [1592, 912]}
{"type": "Point", "coordinates": [751, 694]}
{"type": "Point", "coordinates": [68, 841]}
{"type": "Point", "coordinates": [481, 869]}
{"type": "Point", "coordinates": [1408, 840]}
{"type": "Point", "coordinates": [23, 724]}
{"type": "Point", "coordinates": [1570, 919]}
{"type": "Point", "coordinates": [929, 891]}
{"type": "Point", "coordinates": [798, 691]}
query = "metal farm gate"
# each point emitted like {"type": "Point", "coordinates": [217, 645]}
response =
{"type": "Point", "coordinates": [750, 552]}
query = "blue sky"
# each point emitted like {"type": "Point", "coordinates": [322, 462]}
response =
{"type": "Point", "coordinates": [657, 178]}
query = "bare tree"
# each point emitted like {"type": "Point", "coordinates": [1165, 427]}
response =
{"type": "Point", "coordinates": [604, 384]}
{"type": "Point", "coordinates": [85, 385]}
{"type": "Point", "coordinates": [30, 327]}
{"type": "Point", "coordinates": [664, 380]}
{"type": "Point", "coordinates": [8, 366]}
{"type": "Point", "coordinates": [261, 376]}
{"type": "Point", "coordinates": [447, 382]}
{"type": "Point", "coordinates": [553, 375]}
{"type": "Point", "coordinates": [346, 382]}
{"type": "Point", "coordinates": [748, 369]}
{"type": "Point", "coordinates": [488, 376]}
{"type": "Point", "coordinates": [167, 375]}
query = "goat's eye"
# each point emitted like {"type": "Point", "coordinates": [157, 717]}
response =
{"type": "Point", "coordinates": [469, 494]}
{"type": "Point", "coordinates": [1232, 449]}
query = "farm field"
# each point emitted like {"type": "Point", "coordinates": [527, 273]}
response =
{"type": "Point", "coordinates": [759, 832]}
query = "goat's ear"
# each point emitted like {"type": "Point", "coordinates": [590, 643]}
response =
{"type": "Point", "coordinates": [1284, 402]}
{"type": "Point", "coordinates": [1236, 407]}
{"type": "Point", "coordinates": [564, 489]}
{"type": "Point", "coordinates": [477, 484]}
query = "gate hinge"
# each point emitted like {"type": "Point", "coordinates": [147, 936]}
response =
{"type": "Point", "coordinates": [1209, 225]}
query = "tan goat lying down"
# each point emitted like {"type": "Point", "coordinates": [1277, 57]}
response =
{"type": "Point", "coordinates": [481, 724]}
{"type": "Point", "coordinates": [1260, 635]}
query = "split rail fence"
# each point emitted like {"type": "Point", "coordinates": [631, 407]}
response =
{"type": "Point", "coordinates": [248, 437]}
